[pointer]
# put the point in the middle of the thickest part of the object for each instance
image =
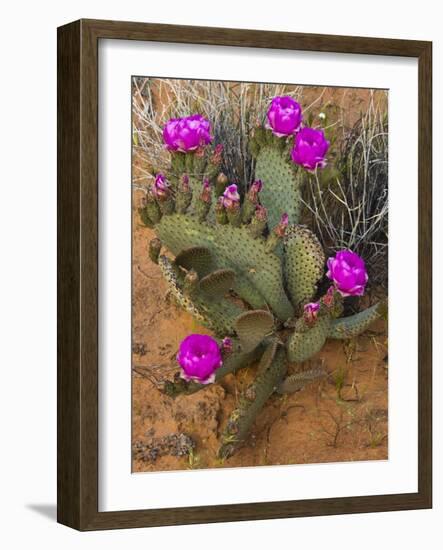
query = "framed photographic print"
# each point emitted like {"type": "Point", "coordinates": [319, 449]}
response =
{"type": "Point", "coordinates": [237, 213]}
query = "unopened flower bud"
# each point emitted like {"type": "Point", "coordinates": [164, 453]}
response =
{"type": "Point", "coordinates": [310, 312]}
{"type": "Point", "coordinates": [220, 183]}
{"type": "Point", "coordinates": [185, 183]}
{"type": "Point", "coordinates": [226, 345]}
{"type": "Point", "coordinates": [261, 213]}
{"type": "Point", "coordinates": [161, 188]}
{"type": "Point", "coordinates": [254, 190]}
{"type": "Point", "coordinates": [280, 230]}
{"type": "Point", "coordinates": [216, 157]}
{"type": "Point", "coordinates": [220, 212]}
{"type": "Point", "coordinates": [206, 194]}
{"type": "Point", "coordinates": [328, 298]}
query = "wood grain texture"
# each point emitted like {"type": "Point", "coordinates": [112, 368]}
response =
{"type": "Point", "coordinates": [425, 273]}
{"type": "Point", "coordinates": [68, 276]}
{"type": "Point", "coordinates": [254, 38]}
{"type": "Point", "coordinates": [78, 269]}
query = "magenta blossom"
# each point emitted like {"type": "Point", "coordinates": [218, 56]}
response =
{"type": "Point", "coordinates": [310, 148]}
{"type": "Point", "coordinates": [160, 187]}
{"type": "Point", "coordinates": [231, 198]}
{"type": "Point", "coordinates": [187, 134]}
{"type": "Point", "coordinates": [199, 357]}
{"type": "Point", "coordinates": [310, 312]}
{"type": "Point", "coordinates": [284, 116]}
{"type": "Point", "coordinates": [348, 271]}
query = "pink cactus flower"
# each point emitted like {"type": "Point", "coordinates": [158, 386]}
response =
{"type": "Point", "coordinates": [310, 148]}
{"type": "Point", "coordinates": [284, 116]}
{"type": "Point", "coordinates": [187, 134]}
{"type": "Point", "coordinates": [199, 357]}
{"type": "Point", "coordinates": [348, 271]}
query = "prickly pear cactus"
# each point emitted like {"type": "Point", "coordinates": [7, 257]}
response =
{"type": "Point", "coordinates": [245, 268]}
{"type": "Point", "coordinates": [273, 166]}
{"type": "Point", "coordinates": [231, 247]}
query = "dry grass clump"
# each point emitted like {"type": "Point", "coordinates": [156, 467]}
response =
{"type": "Point", "coordinates": [347, 204]}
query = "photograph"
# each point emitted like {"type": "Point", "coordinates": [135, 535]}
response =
{"type": "Point", "coordinates": [259, 274]}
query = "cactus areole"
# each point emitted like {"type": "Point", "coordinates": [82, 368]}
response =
{"type": "Point", "coordinates": [243, 266]}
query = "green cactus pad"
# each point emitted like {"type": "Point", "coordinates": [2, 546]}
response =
{"type": "Point", "coordinates": [238, 360]}
{"type": "Point", "coordinates": [249, 293]}
{"type": "Point", "coordinates": [304, 262]}
{"type": "Point", "coordinates": [298, 380]}
{"type": "Point", "coordinates": [178, 386]}
{"type": "Point", "coordinates": [175, 282]}
{"type": "Point", "coordinates": [197, 258]}
{"type": "Point", "coordinates": [252, 327]}
{"type": "Point", "coordinates": [251, 403]}
{"type": "Point", "coordinates": [183, 199]}
{"type": "Point", "coordinates": [167, 206]}
{"type": "Point", "coordinates": [233, 248]}
{"type": "Point", "coordinates": [303, 345]}
{"type": "Point", "coordinates": [217, 283]}
{"type": "Point", "coordinates": [348, 327]}
{"type": "Point", "coordinates": [178, 163]}
{"type": "Point", "coordinates": [153, 210]}
{"type": "Point", "coordinates": [196, 187]}
{"type": "Point", "coordinates": [268, 356]}
{"type": "Point", "coordinates": [191, 283]}
{"type": "Point", "coordinates": [218, 315]}
{"type": "Point", "coordinates": [281, 192]}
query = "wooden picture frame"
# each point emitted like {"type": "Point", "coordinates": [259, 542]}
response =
{"type": "Point", "coordinates": [78, 274]}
